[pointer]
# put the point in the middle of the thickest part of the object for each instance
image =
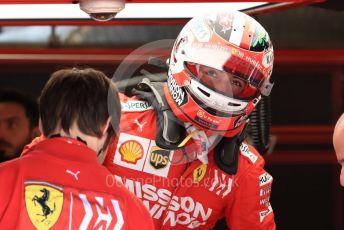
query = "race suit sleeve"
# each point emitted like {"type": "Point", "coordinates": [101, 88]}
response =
{"type": "Point", "coordinates": [251, 207]}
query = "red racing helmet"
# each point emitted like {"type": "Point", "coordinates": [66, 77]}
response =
{"type": "Point", "coordinates": [219, 67]}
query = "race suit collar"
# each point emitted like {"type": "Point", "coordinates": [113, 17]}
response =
{"type": "Point", "coordinates": [65, 148]}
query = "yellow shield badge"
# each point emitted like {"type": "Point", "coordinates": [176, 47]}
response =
{"type": "Point", "coordinates": [43, 203]}
{"type": "Point", "coordinates": [199, 173]}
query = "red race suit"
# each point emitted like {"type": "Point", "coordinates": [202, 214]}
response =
{"type": "Point", "coordinates": [181, 193]}
{"type": "Point", "coordinates": [58, 184]}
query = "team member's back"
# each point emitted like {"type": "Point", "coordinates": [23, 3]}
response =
{"type": "Point", "coordinates": [59, 183]}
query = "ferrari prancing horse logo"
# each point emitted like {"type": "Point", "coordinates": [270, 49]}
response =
{"type": "Point", "coordinates": [43, 203]}
{"type": "Point", "coordinates": [199, 173]}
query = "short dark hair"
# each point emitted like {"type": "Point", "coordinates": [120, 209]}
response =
{"type": "Point", "coordinates": [81, 96]}
{"type": "Point", "coordinates": [27, 101]}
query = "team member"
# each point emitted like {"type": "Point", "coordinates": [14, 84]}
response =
{"type": "Point", "coordinates": [338, 143]}
{"type": "Point", "coordinates": [18, 122]}
{"type": "Point", "coordinates": [181, 146]}
{"type": "Point", "coordinates": [58, 183]}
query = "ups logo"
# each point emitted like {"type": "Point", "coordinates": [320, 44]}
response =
{"type": "Point", "coordinates": [159, 158]}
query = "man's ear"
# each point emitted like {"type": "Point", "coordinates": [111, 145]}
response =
{"type": "Point", "coordinates": [105, 127]}
{"type": "Point", "coordinates": [35, 132]}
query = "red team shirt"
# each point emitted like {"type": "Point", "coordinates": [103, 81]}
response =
{"type": "Point", "coordinates": [181, 193]}
{"type": "Point", "coordinates": [58, 184]}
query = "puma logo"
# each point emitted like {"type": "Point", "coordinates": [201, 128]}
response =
{"type": "Point", "coordinates": [139, 124]}
{"type": "Point", "coordinates": [73, 174]}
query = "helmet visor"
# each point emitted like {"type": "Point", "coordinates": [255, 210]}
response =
{"type": "Point", "coordinates": [226, 83]}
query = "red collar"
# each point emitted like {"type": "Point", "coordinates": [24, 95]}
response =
{"type": "Point", "coordinates": [65, 148]}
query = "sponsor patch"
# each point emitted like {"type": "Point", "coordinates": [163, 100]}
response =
{"type": "Point", "coordinates": [142, 154]}
{"type": "Point", "coordinates": [158, 160]}
{"type": "Point", "coordinates": [254, 62]}
{"type": "Point", "coordinates": [205, 123]}
{"type": "Point", "coordinates": [206, 118]}
{"type": "Point", "coordinates": [177, 93]}
{"type": "Point", "coordinates": [123, 158]}
{"type": "Point", "coordinates": [268, 58]}
{"type": "Point", "coordinates": [43, 202]}
{"type": "Point", "coordinates": [199, 173]}
{"type": "Point", "coordinates": [246, 152]}
{"type": "Point", "coordinates": [265, 201]}
{"type": "Point", "coordinates": [131, 151]}
{"type": "Point", "coordinates": [264, 179]}
{"type": "Point", "coordinates": [135, 106]}
{"type": "Point", "coordinates": [264, 213]}
{"type": "Point", "coordinates": [265, 191]}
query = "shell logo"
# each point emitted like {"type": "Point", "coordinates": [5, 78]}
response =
{"type": "Point", "coordinates": [131, 151]}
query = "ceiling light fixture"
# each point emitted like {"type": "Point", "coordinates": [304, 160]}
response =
{"type": "Point", "coordinates": [102, 10]}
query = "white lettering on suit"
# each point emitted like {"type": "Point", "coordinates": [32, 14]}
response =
{"type": "Point", "coordinates": [220, 185]}
{"type": "Point", "coordinates": [88, 212]}
{"type": "Point", "coordinates": [161, 204]}
{"type": "Point", "coordinates": [107, 217]}
{"type": "Point", "coordinates": [102, 216]}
